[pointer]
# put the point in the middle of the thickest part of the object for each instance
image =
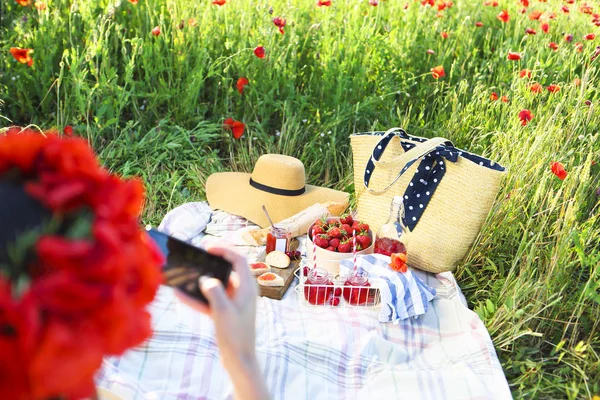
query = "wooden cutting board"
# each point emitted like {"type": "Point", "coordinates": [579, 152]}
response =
{"type": "Point", "coordinates": [277, 292]}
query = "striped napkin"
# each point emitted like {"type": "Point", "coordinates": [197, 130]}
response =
{"type": "Point", "coordinates": [403, 295]}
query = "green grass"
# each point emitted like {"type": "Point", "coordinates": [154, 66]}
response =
{"type": "Point", "coordinates": [154, 107]}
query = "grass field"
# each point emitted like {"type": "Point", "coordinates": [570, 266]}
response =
{"type": "Point", "coordinates": [154, 106]}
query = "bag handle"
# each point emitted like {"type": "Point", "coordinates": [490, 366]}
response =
{"type": "Point", "coordinates": [403, 161]}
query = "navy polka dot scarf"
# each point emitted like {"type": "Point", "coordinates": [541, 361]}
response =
{"type": "Point", "coordinates": [428, 174]}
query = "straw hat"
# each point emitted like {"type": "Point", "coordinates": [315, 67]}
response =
{"type": "Point", "coordinates": [277, 182]}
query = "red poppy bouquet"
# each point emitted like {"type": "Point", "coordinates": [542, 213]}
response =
{"type": "Point", "coordinates": [77, 289]}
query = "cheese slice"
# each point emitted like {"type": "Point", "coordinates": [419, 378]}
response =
{"type": "Point", "coordinates": [259, 268]}
{"type": "Point", "coordinates": [277, 259]}
{"type": "Point", "coordinates": [270, 279]}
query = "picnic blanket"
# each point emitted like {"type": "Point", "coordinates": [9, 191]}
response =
{"type": "Point", "coordinates": [313, 352]}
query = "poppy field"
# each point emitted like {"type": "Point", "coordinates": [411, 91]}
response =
{"type": "Point", "coordinates": [174, 90]}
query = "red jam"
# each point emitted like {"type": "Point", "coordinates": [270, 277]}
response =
{"type": "Point", "coordinates": [277, 239]}
{"type": "Point", "coordinates": [354, 295]}
{"type": "Point", "coordinates": [388, 246]}
{"type": "Point", "coordinates": [318, 287]}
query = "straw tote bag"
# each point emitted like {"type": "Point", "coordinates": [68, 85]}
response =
{"type": "Point", "coordinates": [447, 192]}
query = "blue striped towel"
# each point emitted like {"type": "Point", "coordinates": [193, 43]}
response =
{"type": "Point", "coordinates": [403, 295]}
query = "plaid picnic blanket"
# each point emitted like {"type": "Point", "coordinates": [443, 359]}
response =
{"type": "Point", "coordinates": [317, 352]}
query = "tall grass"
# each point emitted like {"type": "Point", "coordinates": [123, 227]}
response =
{"type": "Point", "coordinates": [154, 107]}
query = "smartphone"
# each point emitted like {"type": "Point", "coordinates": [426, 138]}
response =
{"type": "Point", "coordinates": [186, 263]}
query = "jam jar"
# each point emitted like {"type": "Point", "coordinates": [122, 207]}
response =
{"type": "Point", "coordinates": [278, 239]}
{"type": "Point", "coordinates": [356, 290]}
{"type": "Point", "coordinates": [318, 287]}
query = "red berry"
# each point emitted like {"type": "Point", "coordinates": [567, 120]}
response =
{"type": "Point", "coordinates": [334, 301]}
{"type": "Point", "coordinates": [364, 240]}
{"type": "Point", "coordinates": [330, 248]}
{"type": "Point", "coordinates": [335, 242]}
{"type": "Point", "coordinates": [322, 241]}
{"type": "Point", "coordinates": [337, 292]}
{"type": "Point", "coordinates": [317, 230]}
{"type": "Point", "coordinates": [347, 228]}
{"type": "Point", "coordinates": [334, 232]}
{"type": "Point", "coordinates": [345, 247]}
{"type": "Point", "coordinates": [347, 219]}
{"type": "Point", "coordinates": [363, 227]}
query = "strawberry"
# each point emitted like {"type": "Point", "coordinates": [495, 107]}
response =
{"type": "Point", "coordinates": [345, 246]}
{"type": "Point", "coordinates": [330, 248]}
{"type": "Point", "coordinates": [321, 222]}
{"type": "Point", "coordinates": [335, 242]}
{"type": "Point", "coordinates": [334, 232]}
{"type": "Point", "coordinates": [355, 226]}
{"type": "Point", "coordinates": [364, 240]}
{"type": "Point", "coordinates": [347, 219]}
{"type": "Point", "coordinates": [347, 228]}
{"type": "Point", "coordinates": [363, 227]}
{"type": "Point", "coordinates": [322, 241]}
{"type": "Point", "coordinates": [317, 230]}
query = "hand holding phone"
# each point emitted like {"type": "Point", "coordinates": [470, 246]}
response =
{"type": "Point", "coordinates": [185, 264]}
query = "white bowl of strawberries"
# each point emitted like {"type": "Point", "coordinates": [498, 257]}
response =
{"type": "Point", "coordinates": [332, 238]}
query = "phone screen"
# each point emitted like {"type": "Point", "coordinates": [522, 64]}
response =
{"type": "Point", "coordinates": [186, 263]}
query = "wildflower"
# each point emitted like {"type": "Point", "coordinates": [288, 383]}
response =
{"type": "Point", "coordinates": [22, 55]}
{"type": "Point", "coordinates": [219, 2]}
{"type": "Point", "coordinates": [444, 35]}
{"type": "Point", "coordinates": [236, 127]}
{"type": "Point", "coordinates": [530, 31]}
{"type": "Point", "coordinates": [525, 73]}
{"type": "Point", "coordinates": [492, 3]}
{"type": "Point", "coordinates": [553, 46]}
{"type": "Point", "coordinates": [23, 3]}
{"type": "Point", "coordinates": [590, 36]}
{"type": "Point", "coordinates": [545, 27]}
{"type": "Point", "coordinates": [241, 83]}
{"type": "Point", "coordinates": [503, 16]}
{"type": "Point", "coordinates": [579, 47]}
{"type": "Point", "coordinates": [479, 24]}
{"type": "Point", "coordinates": [438, 72]}
{"type": "Point", "coordinates": [68, 130]}
{"type": "Point", "coordinates": [280, 23]}
{"type": "Point", "coordinates": [259, 52]}
{"type": "Point", "coordinates": [536, 88]}
{"type": "Point", "coordinates": [156, 31]}
{"type": "Point", "coordinates": [40, 5]}
{"type": "Point", "coordinates": [192, 22]}
{"type": "Point", "coordinates": [559, 170]}
{"type": "Point", "coordinates": [374, 3]}
{"type": "Point", "coordinates": [504, 99]}
{"type": "Point", "coordinates": [513, 56]}
{"type": "Point", "coordinates": [494, 96]}
{"type": "Point", "coordinates": [584, 8]}
{"type": "Point", "coordinates": [576, 81]}
{"type": "Point", "coordinates": [525, 116]}
{"type": "Point", "coordinates": [568, 37]}
{"type": "Point", "coordinates": [134, 2]}
{"type": "Point", "coordinates": [553, 88]}
{"type": "Point", "coordinates": [587, 102]}
{"type": "Point", "coordinates": [429, 51]}
{"type": "Point", "coordinates": [323, 3]}
{"type": "Point", "coordinates": [565, 9]}
{"type": "Point", "coordinates": [535, 15]}
{"type": "Point", "coordinates": [525, 3]}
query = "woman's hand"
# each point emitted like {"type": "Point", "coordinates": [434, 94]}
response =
{"type": "Point", "coordinates": [234, 314]}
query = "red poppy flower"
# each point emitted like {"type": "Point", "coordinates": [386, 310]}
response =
{"type": "Point", "coordinates": [428, 2]}
{"type": "Point", "coordinates": [568, 37]}
{"type": "Point", "coordinates": [590, 36]}
{"type": "Point", "coordinates": [549, 15]}
{"type": "Point", "coordinates": [438, 72]}
{"type": "Point", "coordinates": [513, 56]}
{"type": "Point", "coordinates": [565, 9]}
{"type": "Point", "coordinates": [579, 47]}
{"type": "Point", "coordinates": [236, 127]}
{"type": "Point", "coordinates": [494, 96]}
{"type": "Point", "coordinates": [156, 31]}
{"type": "Point", "coordinates": [545, 27]}
{"type": "Point", "coordinates": [134, 2]}
{"type": "Point", "coordinates": [40, 5]}
{"type": "Point", "coordinates": [525, 73]}
{"type": "Point", "coordinates": [323, 3]}
{"type": "Point", "coordinates": [530, 31]}
{"type": "Point", "coordinates": [374, 3]}
{"type": "Point", "coordinates": [444, 35]}
{"type": "Point", "coordinates": [504, 99]}
{"type": "Point", "coordinates": [559, 170]}
{"type": "Point", "coordinates": [24, 3]}
{"type": "Point", "coordinates": [586, 9]}
{"type": "Point", "coordinates": [503, 16]}
{"type": "Point", "coordinates": [535, 15]}
{"type": "Point", "coordinates": [241, 83]}
{"type": "Point", "coordinates": [576, 81]}
{"type": "Point", "coordinates": [429, 51]}
{"type": "Point", "coordinates": [553, 46]}
{"type": "Point", "coordinates": [280, 23]}
{"type": "Point", "coordinates": [219, 2]}
{"type": "Point", "coordinates": [22, 55]}
{"type": "Point", "coordinates": [68, 130]}
{"type": "Point", "coordinates": [570, 1]}
{"type": "Point", "coordinates": [553, 88]}
{"type": "Point", "coordinates": [259, 52]}
{"type": "Point", "coordinates": [536, 88]}
{"type": "Point", "coordinates": [492, 3]}
{"type": "Point", "coordinates": [479, 24]}
{"type": "Point", "coordinates": [525, 3]}
{"type": "Point", "coordinates": [525, 116]}
{"type": "Point", "coordinates": [441, 5]}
